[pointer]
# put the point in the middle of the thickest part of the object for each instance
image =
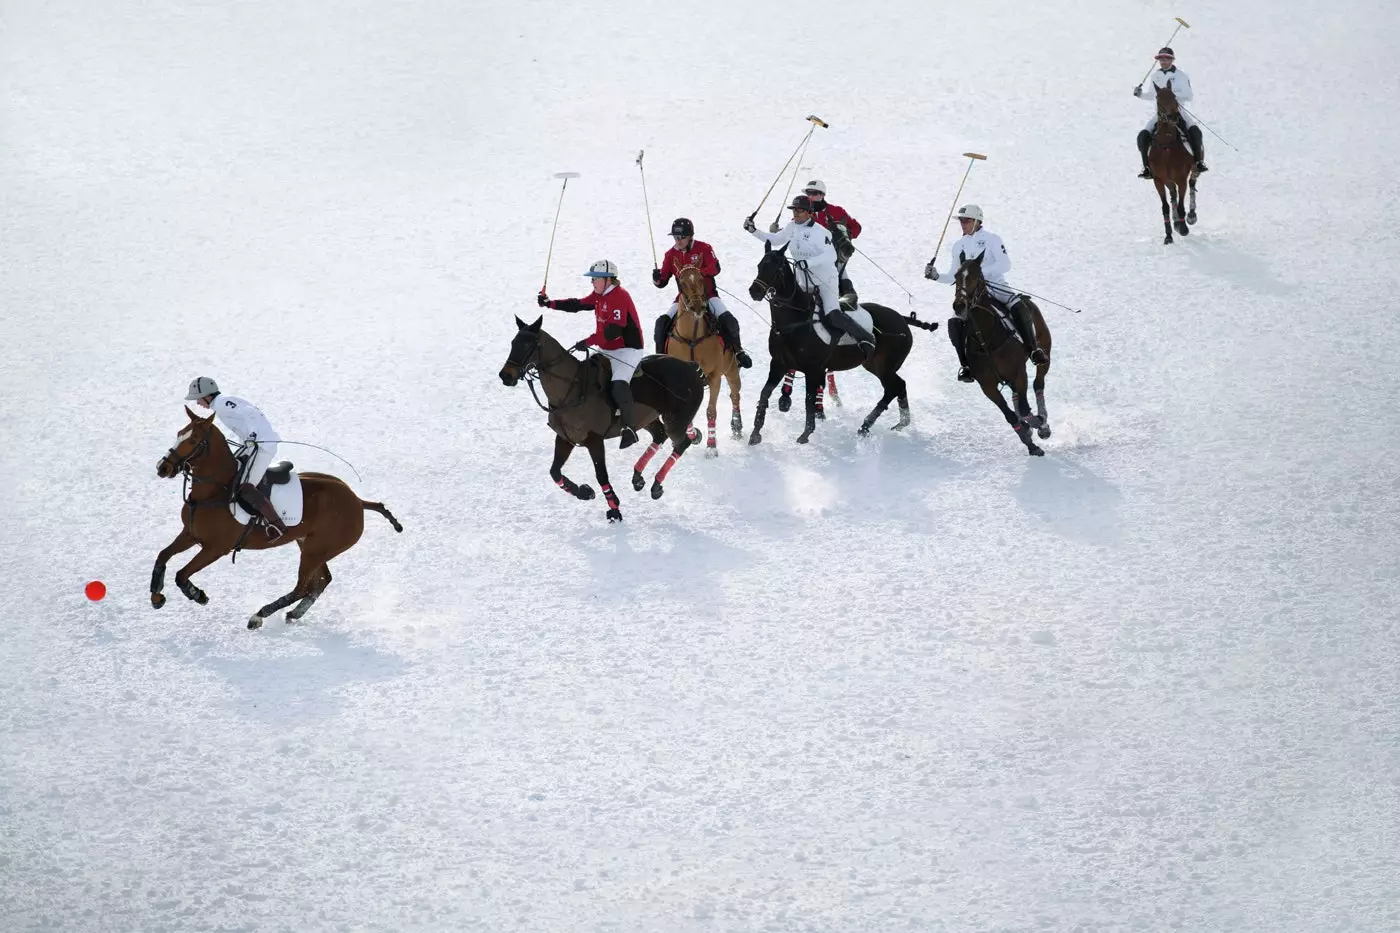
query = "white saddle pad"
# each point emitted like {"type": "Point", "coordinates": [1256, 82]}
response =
{"type": "Point", "coordinates": [859, 315]}
{"type": "Point", "coordinates": [286, 499]}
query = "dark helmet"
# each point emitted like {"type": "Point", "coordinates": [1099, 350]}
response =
{"type": "Point", "coordinates": [682, 226]}
{"type": "Point", "coordinates": [801, 203]}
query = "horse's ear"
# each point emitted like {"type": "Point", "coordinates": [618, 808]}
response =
{"type": "Point", "coordinates": [193, 416]}
{"type": "Point", "coordinates": [962, 257]}
{"type": "Point", "coordinates": [782, 249]}
{"type": "Point", "coordinates": [536, 326]}
{"type": "Point", "coordinates": [981, 256]}
{"type": "Point", "coordinates": [767, 247]}
{"type": "Point", "coordinates": [519, 324]}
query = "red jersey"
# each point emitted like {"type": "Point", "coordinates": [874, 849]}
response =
{"type": "Point", "coordinates": [700, 254]}
{"type": "Point", "coordinates": [615, 316]}
{"type": "Point", "coordinates": [830, 214]}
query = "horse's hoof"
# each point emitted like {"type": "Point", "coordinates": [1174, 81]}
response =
{"type": "Point", "coordinates": [755, 439]}
{"type": "Point", "coordinates": [821, 415]}
{"type": "Point", "coordinates": [656, 490]}
{"type": "Point", "coordinates": [255, 621]}
{"type": "Point", "coordinates": [692, 434]}
{"type": "Point", "coordinates": [638, 481]}
{"type": "Point", "coordinates": [785, 403]}
{"type": "Point", "coordinates": [201, 597]}
{"type": "Point", "coordinates": [863, 430]}
{"type": "Point", "coordinates": [585, 492]}
{"type": "Point", "coordinates": [711, 452]}
{"type": "Point", "coordinates": [903, 423]}
{"type": "Point", "coordinates": [157, 600]}
{"type": "Point", "coordinates": [803, 438]}
{"type": "Point", "coordinates": [614, 515]}
{"type": "Point", "coordinates": [1167, 241]}
{"type": "Point", "coordinates": [1191, 217]}
{"type": "Point", "coordinates": [1035, 451]}
{"type": "Point", "coordinates": [1182, 229]}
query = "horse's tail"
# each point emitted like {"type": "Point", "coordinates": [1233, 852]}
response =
{"type": "Point", "coordinates": [379, 507]}
{"type": "Point", "coordinates": [913, 319]}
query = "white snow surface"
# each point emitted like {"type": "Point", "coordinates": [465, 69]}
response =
{"type": "Point", "coordinates": [915, 682]}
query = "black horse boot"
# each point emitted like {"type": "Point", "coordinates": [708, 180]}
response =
{"type": "Point", "coordinates": [1025, 326]}
{"type": "Point", "coordinates": [252, 495]}
{"type": "Point", "coordinates": [622, 397]}
{"type": "Point", "coordinates": [863, 338]}
{"type": "Point", "coordinates": [957, 336]}
{"type": "Point", "coordinates": [729, 333]}
{"type": "Point", "coordinates": [1198, 147]}
{"type": "Point", "coordinates": [1144, 143]}
{"type": "Point", "coordinates": [664, 323]}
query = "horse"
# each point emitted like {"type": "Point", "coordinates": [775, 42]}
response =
{"type": "Point", "coordinates": [695, 337]}
{"type": "Point", "coordinates": [667, 393]}
{"type": "Point", "coordinates": [332, 521]}
{"type": "Point", "coordinates": [996, 357]}
{"type": "Point", "coordinates": [1172, 164]}
{"type": "Point", "coordinates": [794, 343]}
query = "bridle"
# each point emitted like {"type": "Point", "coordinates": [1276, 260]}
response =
{"type": "Point", "coordinates": [528, 371]}
{"type": "Point", "coordinates": [182, 465]}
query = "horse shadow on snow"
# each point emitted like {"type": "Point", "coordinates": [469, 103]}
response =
{"type": "Point", "coordinates": [1074, 501]}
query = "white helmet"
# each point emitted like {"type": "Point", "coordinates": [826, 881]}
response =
{"type": "Point", "coordinates": [602, 269]}
{"type": "Point", "coordinates": [201, 387]}
{"type": "Point", "coordinates": [815, 185]}
{"type": "Point", "coordinates": [971, 211]}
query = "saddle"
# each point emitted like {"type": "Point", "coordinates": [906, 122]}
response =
{"type": "Point", "coordinates": [279, 474]}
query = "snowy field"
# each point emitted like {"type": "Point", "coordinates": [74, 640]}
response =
{"type": "Point", "coordinates": [915, 682]}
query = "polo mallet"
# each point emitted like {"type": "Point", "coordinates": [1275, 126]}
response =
{"type": "Point", "coordinates": [1200, 122]}
{"type": "Point", "coordinates": [650, 236]}
{"type": "Point", "coordinates": [973, 158]}
{"type": "Point", "coordinates": [816, 122]}
{"type": "Point", "coordinates": [1179, 23]}
{"type": "Point", "coordinates": [800, 146]}
{"type": "Point", "coordinates": [566, 176]}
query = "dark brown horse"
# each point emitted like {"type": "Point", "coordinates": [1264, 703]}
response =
{"type": "Point", "coordinates": [333, 518]}
{"type": "Point", "coordinates": [667, 394]}
{"type": "Point", "coordinates": [793, 343]}
{"type": "Point", "coordinates": [996, 357]}
{"type": "Point", "coordinates": [1173, 166]}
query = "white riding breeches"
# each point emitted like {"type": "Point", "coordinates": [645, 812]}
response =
{"type": "Point", "coordinates": [717, 308]}
{"type": "Point", "coordinates": [1186, 120]}
{"type": "Point", "coordinates": [824, 287]}
{"type": "Point", "coordinates": [262, 459]}
{"type": "Point", "coordinates": [624, 362]}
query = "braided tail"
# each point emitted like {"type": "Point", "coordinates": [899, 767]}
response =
{"type": "Point", "coordinates": [379, 507]}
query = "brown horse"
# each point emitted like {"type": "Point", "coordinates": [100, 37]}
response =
{"type": "Point", "coordinates": [695, 337]}
{"type": "Point", "coordinates": [667, 394]}
{"type": "Point", "coordinates": [996, 357]}
{"type": "Point", "coordinates": [1173, 166]}
{"type": "Point", "coordinates": [333, 518]}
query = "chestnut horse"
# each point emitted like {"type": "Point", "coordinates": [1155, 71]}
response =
{"type": "Point", "coordinates": [695, 337]}
{"type": "Point", "coordinates": [995, 356]}
{"type": "Point", "coordinates": [333, 518]}
{"type": "Point", "coordinates": [1173, 166]}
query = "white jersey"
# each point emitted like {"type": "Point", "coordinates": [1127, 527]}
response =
{"type": "Point", "coordinates": [1174, 78]}
{"type": "Point", "coordinates": [810, 242]}
{"type": "Point", "coordinates": [244, 419]}
{"type": "Point", "coordinates": [982, 242]}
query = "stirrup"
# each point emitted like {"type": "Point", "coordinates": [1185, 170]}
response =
{"type": "Point", "coordinates": [1145, 173]}
{"type": "Point", "coordinates": [1201, 166]}
{"type": "Point", "coordinates": [1043, 357]}
{"type": "Point", "coordinates": [964, 374]}
{"type": "Point", "coordinates": [629, 437]}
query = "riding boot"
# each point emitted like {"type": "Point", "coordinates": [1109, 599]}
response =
{"type": "Point", "coordinates": [622, 397]}
{"type": "Point", "coordinates": [1144, 143]}
{"type": "Point", "coordinates": [1198, 147]}
{"type": "Point", "coordinates": [957, 336]}
{"type": "Point", "coordinates": [849, 299]}
{"type": "Point", "coordinates": [729, 333]}
{"type": "Point", "coordinates": [1025, 326]}
{"type": "Point", "coordinates": [863, 338]}
{"type": "Point", "coordinates": [664, 323]}
{"type": "Point", "coordinates": [252, 495]}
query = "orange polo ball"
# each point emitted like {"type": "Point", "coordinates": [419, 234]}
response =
{"type": "Point", "coordinates": [95, 590]}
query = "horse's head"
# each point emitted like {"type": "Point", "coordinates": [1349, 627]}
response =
{"type": "Point", "coordinates": [524, 351]}
{"type": "Point", "coordinates": [192, 445]}
{"type": "Point", "coordinates": [969, 284]}
{"type": "Point", "coordinates": [774, 274]}
{"type": "Point", "coordinates": [1168, 108]}
{"type": "Point", "coordinates": [693, 288]}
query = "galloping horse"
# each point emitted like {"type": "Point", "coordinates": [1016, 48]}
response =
{"type": "Point", "coordinates": [794, 343]}
{"type": "Point", "coordinates": [333, 518]}
{"type": "Point", "coordinates": [667, 392]}
{"type": "Point", "coordinates": [1172, 164]}
{"type": "Point", "coordinates": [995, 356]}
{"type": "Point", "coordinates": [695, 337]}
